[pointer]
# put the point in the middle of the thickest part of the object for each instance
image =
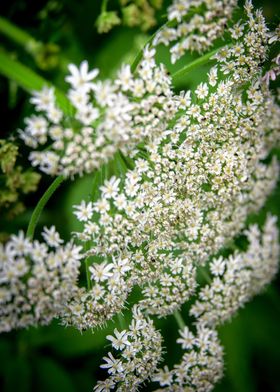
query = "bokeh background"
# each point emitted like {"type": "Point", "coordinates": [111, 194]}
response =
{"type": "Point", "coordinates": [55, 359]}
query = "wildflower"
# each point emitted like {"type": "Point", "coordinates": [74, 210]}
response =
{"type": "Point", "coordinates": [80, 78]}
{"type": "Point", "coordinates": [51, 236]}
{"type": "Point", "coordinates": [120, 340]}
{"type": "Point", "coordinates": [84, 211]}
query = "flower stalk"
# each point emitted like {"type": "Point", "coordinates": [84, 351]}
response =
{"type": "Point", "coordinates": [40, 206]}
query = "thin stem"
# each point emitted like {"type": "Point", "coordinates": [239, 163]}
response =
{"type": "Point", "coordinates": [179, 319]}
{"type": "Point", "coordinates": [41, 204]}
{"type": "Point", "coordinates": [87, 264]}
{"type": "Point", "coordinates": [139, 56]}
{"type": "Point", "coordinates": [15, 33]}
{"type": "Point", "coordinates": [104, 6]}
{"type": "Point", "coordinates": [121, 321]}
{"type": "Point", "coordinates": [196, 63]}
{"type": "Point", "coordinates": [29, 80]}
{"type": "Point", "coordinates": [205, 275]}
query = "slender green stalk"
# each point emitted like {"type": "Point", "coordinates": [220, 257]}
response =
{"type": "Point", "coordinates": [29, 80]}
{"type": "Point", "coordinates": [196, 63]}
{"type": "Point", "coordinates": [87, 264]}
{"type": "Point", "coordinates": [41, 204]}
{"type": "Point", "coordinates": [179, 319]}
{"type": "Point", "coordinates": [139, 56]}
{"type": "Point", "coordinates": [104, 6]}
{"type": "Point", "coordinates": [121, 321]}
{"type": "Point", "coordinates": [205, 275]}
{"type": "Point", "coordinates": [15, 33]}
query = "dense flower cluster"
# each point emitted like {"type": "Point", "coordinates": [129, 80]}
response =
{"type": "Point", "coordinates": [108, 116]}
{"type": "Point", "coordinates": [203, 166]}
{"type": "Point", "coordinates": [237, 278]}
{"type": "Point", "coordinates": [201, 366]}
{"type": "Point", "coordinates": [140, 352]}
{"type": "Point", "coordinates": [37, 278]}
{"type": "Point", "coordinates": [194, 25]}
{"type": "Point", "coordinates": [198, 183]}
{"type": "Point", "coordinates": [107, 296]}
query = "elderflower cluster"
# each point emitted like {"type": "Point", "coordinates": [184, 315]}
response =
{"type": "Point", "coordinates": [36, 279]}
{"type": "Point", "coordinates": [139, 354]}
{"type": "Point", "coordinates": [201, 366]}
{"type": "Point", "coordinates": [237, 278]}
{"type": "Point", "coordinates": [107, 116]}
{"type": "Point", "coordinates": [194, 25]}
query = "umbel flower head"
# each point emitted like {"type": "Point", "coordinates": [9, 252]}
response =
{"type": "Point", "coordinates": [107, 116]}
{"type": "Point", "coordinates": [201, 164]}
{"type": "Point", "coordinates": [36, 279]}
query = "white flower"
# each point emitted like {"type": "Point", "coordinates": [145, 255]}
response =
{"type": "Point", "coordinates": [187, 339]}
{"type": "Point", "coordinates": [104, 386]}
{"type": "Point", "coordinates": [37, 126]}
{"type": "Point", "coordinates": [43, 99]}
{"type": "Point", "coordinates": [87, 114]}
{"type": "Point", "coordinates": [164, 377]}
{"type": "Point", "coordinates": [101, 272]}
{"type": "Point", "coordinates": [120, 202]}
{"type": "Point", "coordinates": [84, 211]}
{"type": "Point", "coordinates": [120, 340]}
{"type": "Point", "coordinates": [121, 266]}
{"type": "Point", "coordinates": [80, 78]}
{"type": "Point", "coordinates": [112, 364]}
{"type": "Point", "coordinates": [202, 91]}
{"type": "Point", "coordinates": [19, 245]}
{"type": "Point", "coordinates": [52, 237]}
{"type": "Point", "coordinates": [110, 188]}
{"type": "Point", "coordinates": [125, 78]}
{"type": "Point", "coordinates": [101, 206]}
{"type": "Point", "coordinates": [217, 266]}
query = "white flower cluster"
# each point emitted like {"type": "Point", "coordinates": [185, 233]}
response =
{"type": "Point", "coordinates": [107, 117]}
{"type": "Point", "coordinates": [194, 25]}
{"type": "Point", "coordinates": [36, 279]}
{"type": "Point", "coordinates": [140, 352]}
{"type": "Point", "coordinates": [237, 278]}
{"type": "Point", "coordinates": [199, 181]}
{"type": "Point", "coordinates": [201, 366]}
{"type": "Point", "coordinates": [107, 296]}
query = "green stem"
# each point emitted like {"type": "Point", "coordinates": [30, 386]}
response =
{"type": "Point", "coordinates": [196, 63]}
{"type": "Point", "coordinates": [179, 319]}
{"type": "Point", "coordinates": [121, 321]}
{"type": "Point", "coordinates": [15, 33]}
{"type": "Point", "coordinates": [206, 275]}
{"type": "Point", "coordinates": [139, 56]}
{"type": "Point", "coordinates": [87, 264]}
{"type": "Point", "coordinates": [40, 206]}
{"type": "Point", "coordinates": [104, 6]}
{"type": "Point", "coordinates": [29, 80]}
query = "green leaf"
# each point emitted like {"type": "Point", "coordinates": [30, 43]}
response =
{"type": "Point", "coordinates": [17, 375]}
{"type": "Point", "coordinates": [66, 342]}
{"type": "Point", "coordinates": [15, 33]}
{"type": "Point", "coordinates": [51, 376]}
{"type": "Point", "coordinates": [29, 80]}
{"type": "Point", "coordinates": [238, 356]}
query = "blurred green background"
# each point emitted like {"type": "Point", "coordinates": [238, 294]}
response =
{"type": "Point", "coordinates": [57, 359]}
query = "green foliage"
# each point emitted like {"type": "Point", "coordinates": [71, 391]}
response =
{"type": "Point", "coordinates": [15, 181]}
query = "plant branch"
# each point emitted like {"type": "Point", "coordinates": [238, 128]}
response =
{"type": "Point", "coordinates": [41, 204]}
{"type": "Point", "coordinates": [179, 319]}
{"type": "Point", "coordinates": [29, 80]}
{"type": "Point", "coordinates": [196, 63]}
